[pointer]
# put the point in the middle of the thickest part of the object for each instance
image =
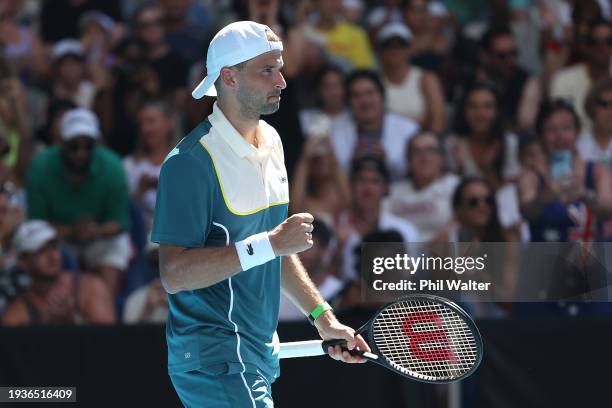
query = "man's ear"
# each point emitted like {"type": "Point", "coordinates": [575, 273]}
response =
{"type": "Point", "coordinates": [229, 77]}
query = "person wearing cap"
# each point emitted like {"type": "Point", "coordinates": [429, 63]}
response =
{"type": "Point", "coordinates": [69, 74]}
{"type": "Point", "coordinates": [369, 185]}
{"type": "Point", "coordinates": [410, 91]}
{"type": "Point", "coordinates": [54, 296]}
{"type": "Point", "coordinates": [80, 187]}
{"type": "Point", "coordinates": [220, 221]}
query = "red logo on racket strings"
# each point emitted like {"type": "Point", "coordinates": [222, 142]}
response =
{"type": "Point", "coordinates": [419, 338]}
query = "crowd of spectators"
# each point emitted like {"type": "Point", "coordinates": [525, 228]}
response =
{"type": "Point", "coordinates": [415, 121]}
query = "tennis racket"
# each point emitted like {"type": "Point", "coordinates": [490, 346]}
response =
{"type": "Point", "coordinates": [423, 337]}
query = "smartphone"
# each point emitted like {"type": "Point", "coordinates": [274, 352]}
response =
{"type": "Point", "coordinates": [561, 164]}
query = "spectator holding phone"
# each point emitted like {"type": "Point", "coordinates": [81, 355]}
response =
{"type": "Point", "coordinates": [565, 199]}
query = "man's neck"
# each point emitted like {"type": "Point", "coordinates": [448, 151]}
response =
{"type": "Point", "coordinates": [244, 122]}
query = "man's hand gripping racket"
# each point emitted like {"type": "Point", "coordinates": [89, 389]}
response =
{"type": "Point", "coordinates": [423, 337]}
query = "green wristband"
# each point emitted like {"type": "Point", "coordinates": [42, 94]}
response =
{"type": "Point", "coordinates": [318, 311]}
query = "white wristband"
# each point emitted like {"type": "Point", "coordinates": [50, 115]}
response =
{"type": "Point", "coordinates": [255, 250]}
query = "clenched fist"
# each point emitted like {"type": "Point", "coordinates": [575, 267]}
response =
{"type": "Point", "coordinates": [293, 235]}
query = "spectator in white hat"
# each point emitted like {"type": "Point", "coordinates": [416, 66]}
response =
{"type": "Point", "coordinates": [80, 187]}
{"type": "Point", "coordinates": [69, 74]}
{"type": "Point", "coordinates": [54, 296]}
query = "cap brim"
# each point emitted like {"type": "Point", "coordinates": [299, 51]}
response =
{"type": "Point", "coordinates": [206, 87]}
{"type": "Point", "coordinates": [81, 130]}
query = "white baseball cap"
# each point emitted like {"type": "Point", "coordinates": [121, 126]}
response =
{"type": "Point", "coordinates": [235, 43]}
{"type": "Point", "coordinates": [394, 30]}
{"type": "Point", "coordinates": [32, 235]}
{"type": "Point", "coordinates": [79, 122]}
{"type": "Point", "coordinates": [65, 47]}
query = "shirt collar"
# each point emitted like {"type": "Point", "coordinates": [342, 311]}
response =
{"type": "Point", "coordinates": [235, 140]}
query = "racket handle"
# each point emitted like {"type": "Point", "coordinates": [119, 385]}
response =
{"type": "Point", "coordinates": [301, 349]}
{"type": "Point", "coordinates": [340, 342]}
{"type": "Point", "coordinates": [316, 348]}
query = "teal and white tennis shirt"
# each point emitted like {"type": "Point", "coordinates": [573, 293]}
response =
{"type": "Point", "coordinates": [215, 189]}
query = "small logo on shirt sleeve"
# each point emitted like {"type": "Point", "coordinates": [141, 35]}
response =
{"type": "Point", "coordinates": [283, 179]}
{"type": "Point", "coordinates": [250, 249]}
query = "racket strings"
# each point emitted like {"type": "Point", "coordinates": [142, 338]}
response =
{"type": "Point", "coordinates": [426, 340]}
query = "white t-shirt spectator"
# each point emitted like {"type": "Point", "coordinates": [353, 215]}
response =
{"type": "Point", "coordinates": [396, 133]}
{"type": "Point", "coordinates": [407, 99]}
{"type": "Point", "coordinates": [429, 209]}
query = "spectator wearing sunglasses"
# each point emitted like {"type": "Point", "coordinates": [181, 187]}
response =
{"type": "Point", "coordinates": [565, 198]}
{"type": "Point", "coordinates": [475, 214]}
{"type": "Point", "coordinates": [424, 196]}
{"type": "Point", "coordinates": [519, 91]}
{"type": "Point", "coordinates": [80, 187]}
{"type": "Point", "coordinates": [573, 83]}
{"type": "Point", "coordinates": [597, 146]}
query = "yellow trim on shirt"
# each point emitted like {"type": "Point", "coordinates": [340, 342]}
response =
{"type": "Point", "coordinates": [235, 212]}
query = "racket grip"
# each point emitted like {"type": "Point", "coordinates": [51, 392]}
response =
{"type": "Point", "coordinates": [342, 343]}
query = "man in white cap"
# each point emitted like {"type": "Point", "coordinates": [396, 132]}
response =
{"type": "Point", "coordinates": [54, 295]}
{"type": "Point", "coordinates": [221, 224]}
{"type": "Point", "coordinates": [80, 187]}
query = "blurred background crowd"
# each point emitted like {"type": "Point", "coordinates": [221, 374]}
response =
{"type": "Point", "coordinates": [415, 121]}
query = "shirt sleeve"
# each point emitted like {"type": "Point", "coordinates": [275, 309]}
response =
{"type": "Point", "coordinates": [185, 198]}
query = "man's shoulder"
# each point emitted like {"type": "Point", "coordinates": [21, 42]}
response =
{"type": "Point", "coordinates": [396, 122]}
{"type": "Point", "coordinates": [571, 72]}
{"type": "Point", "coordinates": [110, 157]}
{"type": "Point", "coordinates": [190, 151]}
{"type": "Point", "coordinates": [47, 155]}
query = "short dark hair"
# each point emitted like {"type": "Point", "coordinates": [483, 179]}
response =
{"type": "Point", "coordinates": [370, 163]}
{"type": "Point", "coordinates": [486, 41]}
{"type": "Point", "coordinates": [550, 107]}
{"type": "Point", "coordinates": [363, 74]}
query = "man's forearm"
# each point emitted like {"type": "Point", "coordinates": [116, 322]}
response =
{"type": "Point", "coordinates": [196, 268]}
{"type": "Point", "coordinates": [298, 286]}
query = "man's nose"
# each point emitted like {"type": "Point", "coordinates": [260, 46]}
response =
{"type": "Point", "coordinates": [280, 82]}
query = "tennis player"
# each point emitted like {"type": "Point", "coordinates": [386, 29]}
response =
{"type": "Point", "coordinates": [221, 222]}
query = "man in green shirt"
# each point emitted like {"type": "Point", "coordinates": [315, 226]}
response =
{"type": "Point", "coordinates": [80, 187]}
